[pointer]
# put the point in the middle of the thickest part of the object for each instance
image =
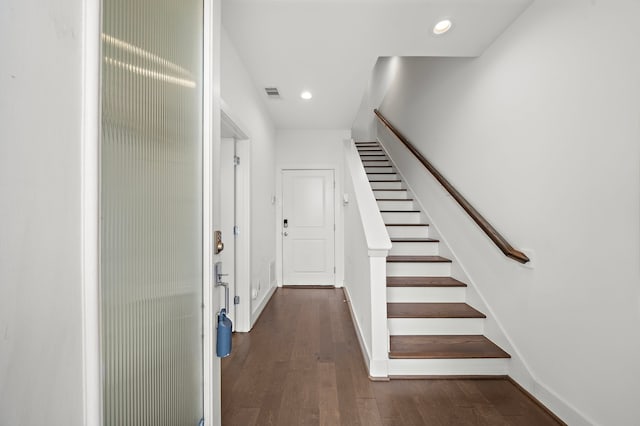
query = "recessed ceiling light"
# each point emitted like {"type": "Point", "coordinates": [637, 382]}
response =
{"type": "Point", "coordinates": [306, 95]}
{"type": "Point", "coordinates": [442, 27]}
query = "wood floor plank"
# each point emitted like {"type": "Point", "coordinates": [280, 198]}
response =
{"type": "Point", "coordinates": [272, 400]}
{"type": "Point", "coordinates": [328, 394]}
{"type": "Point", "coordinates": [242, 417]}
{"type": "Point", "coordinates": [346, 390]}
{"type": "Point", "coordinates": [368, 412]}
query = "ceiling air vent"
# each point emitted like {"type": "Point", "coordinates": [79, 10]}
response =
{"type": "Point", "coordinates": [272, 92]}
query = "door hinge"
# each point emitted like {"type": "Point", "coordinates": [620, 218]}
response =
{"type": "Point", "coordinates": [236, 160]}
{"type": "Point", "coordinates": [236, 300]}
{"type": "Point", "coordinates": [236, 230]}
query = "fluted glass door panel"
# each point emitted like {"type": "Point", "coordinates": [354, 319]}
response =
{"type": "Point", "coordinates": [151, 212]}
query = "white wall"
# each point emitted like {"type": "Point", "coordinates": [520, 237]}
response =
{"type": "Point", "coordinates": [312, 149]}
{"type": "Point", "coordinates": [541, 134]}
{"type": "Point", "coordinates": [363, 128]}
{"type": "Point", "coordinates": [40, 207]}
{"type": "Point", "coordinates": [241, 95]}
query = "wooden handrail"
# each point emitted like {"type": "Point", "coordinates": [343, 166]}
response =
{"type": "Point", "coordinates": [488, 229]}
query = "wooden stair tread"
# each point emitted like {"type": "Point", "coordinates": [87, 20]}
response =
{"type": "Point", "coordinates": [390, 189]}
{"type": "Point", "coordinates": [414, 240]}
{"type": "Point", "coordinates": [394, 199]}
{"type": "Point", "coordinates": [423, 282]}
{"type": "Point", "coordinates": [400, 211]}
{"type": "Point", "coordinates": [381, 173]}
{"type": "Point", "coordinates": [418, 259]}
{"type": "Point", "coordinates": [432, 310]}
{"type": "Point", "coordinates": [406, 224]}
{"type": "Point", "coordinates": [427, 347]}
{"type": "Point", "coordinates": [395, 180]}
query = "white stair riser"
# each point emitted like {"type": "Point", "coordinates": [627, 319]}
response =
{"type": "Point", "coordinates": [449, 367]}
{"type": "Point", "coordinates": [408, 231]}
{"type": "Point", "coordinates": [382, 176]}
{"type": "Point", "coordinates": [418, 269]}
{"type": "Point", "coordinates": [401, 217]}
{"type": "Point", "coordinates": [435, 326]}
{"type": "Point", "coordinates": [426, 294]}
{"type": "Point", "coordinates": [389, 185]}
{"type": "Point", "coordinates": [391, 194]}
{"type": "Point", "coordinates": [369, 151]}
{"type": "Point", "coordinates": [378, 169]}
{"type": "Point", "coordinates": [396, 205]}
{"type": "Point", "coordinates": [418, 249]}
{"type": "Point", "coordinates": [376, 163]}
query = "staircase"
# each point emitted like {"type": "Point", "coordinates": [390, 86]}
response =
{"type": "Point", "coordinates": [433, 331]}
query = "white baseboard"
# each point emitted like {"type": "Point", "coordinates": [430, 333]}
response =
{"type": "Point", "coordinates": [256, 313]}
{"type": "Point", "coordinates": [366, 354]}
{"type": "Point", "coordinates": [553, 402]}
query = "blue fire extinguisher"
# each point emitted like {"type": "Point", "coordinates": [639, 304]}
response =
{"type": "Point", "coordinates": [223, 340]}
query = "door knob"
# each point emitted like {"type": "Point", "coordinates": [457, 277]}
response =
{"type": "Point", "coordinates": [218, 245]}
{"type": "Point", "coordinates": [285, 233]}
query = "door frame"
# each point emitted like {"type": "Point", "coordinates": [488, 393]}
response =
{"type": "Point", "coordinates": [211, 135]}
{"type": "Point", "coordinates": [234, 126]}
{"type": "Point", "coordinates": [90, 205]}
{"type": "Point", "coordinates": [338, 249]}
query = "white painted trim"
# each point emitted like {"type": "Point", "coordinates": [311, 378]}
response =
{"type": "Point", "coordinates": [229, 118]}
{"type": "Point", "coordinates": [378, 367]}
{"type": "Point", "coordinates": [243, 242]}
{"type": "Point", "coordinates": [449, 367]}
{"type": "Point", "coordinates": [242, 321]}
{"type": "Point", "coordinates": [90, 251]}
{"type": "Point", "coordinates": [212, 406]}
{"type": "Point", "coordinates": [366, 355]}
{"type": "Point", "coordinates": [263, 304]}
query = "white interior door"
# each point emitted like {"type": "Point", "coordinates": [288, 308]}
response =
{"type": "Point", "coordinates": [308, 227]}
{"type": "Point", "coordinates": [228, 218]}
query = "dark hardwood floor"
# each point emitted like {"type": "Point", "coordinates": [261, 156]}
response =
{"type": "Point", "coordinates": [301, 365]}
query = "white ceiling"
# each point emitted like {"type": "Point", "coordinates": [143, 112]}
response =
{"type": "Point", "coordinates": [330, 46]}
